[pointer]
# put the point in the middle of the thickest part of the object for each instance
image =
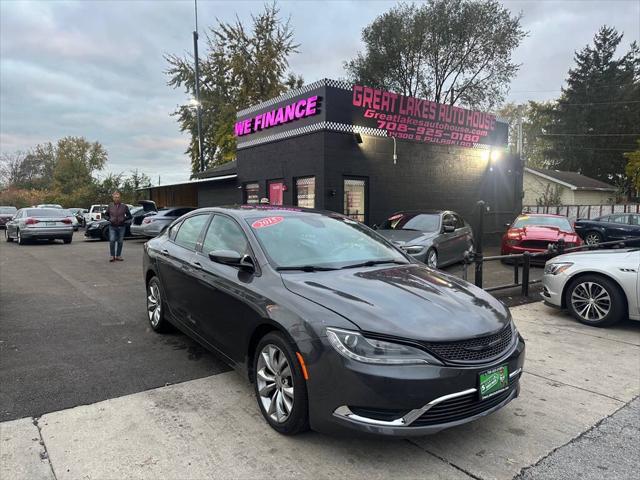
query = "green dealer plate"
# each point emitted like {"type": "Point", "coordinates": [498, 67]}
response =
{"type": "Point", "coordinates": [494, 381]}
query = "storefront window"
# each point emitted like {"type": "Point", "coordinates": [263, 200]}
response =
{"type": "Point", "coordinates": [251, 195]}
{"type": "Point", "coordinates": [306, 192]}
{"type": "Point", "coordinates": [354, 198]}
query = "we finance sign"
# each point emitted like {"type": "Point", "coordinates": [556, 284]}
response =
{"type": "Point", "coordinates": [422, 120]}
{"type": "Point", "coordinates": [297, 110]}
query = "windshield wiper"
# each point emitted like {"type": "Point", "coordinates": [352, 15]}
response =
{"type": "Point", "coordinates": [306, 268]}
{"type": "Point", "coordinates": [373, 263]}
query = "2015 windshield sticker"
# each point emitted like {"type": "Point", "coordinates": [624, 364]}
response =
{"type": "Point", "coordinates": [267, 222]}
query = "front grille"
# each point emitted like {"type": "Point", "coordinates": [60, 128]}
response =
{"type": "Point", "coordinates": [538, 244]}
{"type": "Point", "coordinates": [462, 407]}
{"type": "Point", "coordinates": [472, 350]}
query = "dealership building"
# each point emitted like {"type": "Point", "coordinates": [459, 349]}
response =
{"type": "Point", "coordinates": [363, 152]}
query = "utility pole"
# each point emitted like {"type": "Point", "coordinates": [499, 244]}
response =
{"type": "Point", "coordinates": [197, 92]}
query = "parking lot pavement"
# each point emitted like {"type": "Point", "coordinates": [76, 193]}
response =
{"type": "Point", "coordinates": [575, 377]}
{"type": "Point", "coordinates": [73, 329]}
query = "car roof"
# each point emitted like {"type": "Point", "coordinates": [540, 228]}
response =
{"type": "Point", "coordinates": [245, 211]}
{"type": "Point", "coordinates": [541, 215]}
{"type": "Point", "coordinates": [422, 212]}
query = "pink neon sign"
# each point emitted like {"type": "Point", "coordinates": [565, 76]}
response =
{"type": "Point", "coordinates": [303, 108]}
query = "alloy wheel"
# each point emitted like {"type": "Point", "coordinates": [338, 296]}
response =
{"type": "Point", "coordinates": [275, 383]}
{"type": "Point", "coordinates": [154, 304]}
{"type": "Point", "coordinates": [432, 259]}
{"type": "Point", "coordinates": [591, 301]}
{"type": "Point", "coordinates": [592, 239]}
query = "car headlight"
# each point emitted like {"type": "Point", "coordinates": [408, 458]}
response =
{"type": "Point", "coordinates": [556, 268]}
{"type": "Point", "coordinates": [357, 347]}
{"type": "Point", "coordinates": [413, 249]}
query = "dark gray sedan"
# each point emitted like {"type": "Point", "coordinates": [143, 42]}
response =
{"type": "Point", "coordinates": [156, 221]}
{"type": "Point", "coordinates": [40, 223]}
{"type": "Point", "coordinates": [437, 238]}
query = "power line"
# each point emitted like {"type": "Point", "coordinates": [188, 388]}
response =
{"type": "Point", "coordinates": [590, 134]}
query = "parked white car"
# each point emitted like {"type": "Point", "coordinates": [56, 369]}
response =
{"type": "Point", "coordinates": [599, 288]}
{"type": "Point", "coordinates": [95, 213]}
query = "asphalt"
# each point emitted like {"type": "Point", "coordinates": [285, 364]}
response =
{"type": "Point", "coordinates": [611, 449]}
{"type": "Point", "coordinates": [73, 329]}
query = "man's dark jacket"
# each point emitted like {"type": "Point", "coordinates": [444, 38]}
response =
{"type": "Point", "coordinates": [117, 214]}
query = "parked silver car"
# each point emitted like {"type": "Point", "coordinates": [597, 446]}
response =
{"type": "Point", "coordinates": [437, 238]}
{"type": "Point", "coordinates": [599, 288]}
{"type": "Point", "coordinates": [39, 223]}
{"type": "Point", "coordinates": [156, 221]}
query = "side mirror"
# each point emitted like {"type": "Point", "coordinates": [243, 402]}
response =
{"type": "Point", "coordinates": [229, 257]}
{"type": "Point", "coordinates": [449, 229]}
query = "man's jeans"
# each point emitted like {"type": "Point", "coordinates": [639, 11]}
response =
{"type": "Point", "coordinates": [116, 236]}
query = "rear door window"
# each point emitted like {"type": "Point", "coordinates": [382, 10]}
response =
{"type": "Point", "coordinates": [190, 230]}
{"type": "Point", "coordinates": [618, 219]}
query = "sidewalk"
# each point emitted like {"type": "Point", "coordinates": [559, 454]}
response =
{"type": "Point", "coordinates": [575, 376]}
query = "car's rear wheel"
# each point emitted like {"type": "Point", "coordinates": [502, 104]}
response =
{"type": "Point", "coordinates": [155, 307]}
{"type": "Point", "coordinates": [432, 258]}
{"type": "Point", "coordinates": [21, 241]}
{"type": "Point", "coordinates": [592, 238]}
{"type": "Point", "coordinates": [7, 237]}
{"type": "Point", "coordinates": [105, 233]}
{"type": "Point", "coordinates": [596, 301]}
{"type": "Point", "coordinates": [67, 240]}
{"type": "Point", "coordinates": [280, 385]}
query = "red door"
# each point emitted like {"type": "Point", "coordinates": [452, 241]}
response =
{"type": "Point", "coordinates": [275, 193]}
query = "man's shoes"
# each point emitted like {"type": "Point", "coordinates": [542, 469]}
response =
{"type": "Point", "coordinates": [120, 259]}
{"type": "Point", "coordinates": [112, 259]}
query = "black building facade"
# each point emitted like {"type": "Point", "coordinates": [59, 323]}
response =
{"type": "Point", "coordinates": [368, 154]}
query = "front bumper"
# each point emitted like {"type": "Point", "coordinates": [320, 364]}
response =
{"type": "Point", "coordinates": [93, 233]}
{"type": "Point", "coordinates": [552, 288]}
{"type": "Point", "coordinates": [53, 232]}
{"type": "Point", "coordinates": [347, 396]}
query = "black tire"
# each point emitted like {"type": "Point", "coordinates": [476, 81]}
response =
{"type": "Point", "coordinates": [592, 238]}
{"type": "Point", "coordinates": [161, 324]}
{"type": "Point", "coordinates": [298, 419]}
{"type": "Point", "coordinates": [7, 237]}
{"type": "Point", "coordinates": [580, 287]}
{"type": "Point", "coordinates": [20, 240]}
{"type": "Point", "coordinates": [105, 233]}
{"type": "Point", "coordinates": [67, 240]}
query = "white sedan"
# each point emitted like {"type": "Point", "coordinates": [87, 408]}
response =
{"type": "Point", "coordinates": [599, 288]}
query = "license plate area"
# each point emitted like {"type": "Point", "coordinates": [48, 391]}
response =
{"type": "Point", "coordinates": [49, 224]}
{"type": "Point", "coordinates": [493, 381]}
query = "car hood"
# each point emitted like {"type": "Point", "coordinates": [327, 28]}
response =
{"type": "Point", "coordinates": [409, 301]}
{"type": "Point", "coordinates": [407, 237]}
{"type": "Point", "coordinates": [535, 232]}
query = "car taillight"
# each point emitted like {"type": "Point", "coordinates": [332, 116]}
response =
{"type": "Point", "coordinates": [67, 221]}
{"type": "Point", "coordinates": [31, 221]}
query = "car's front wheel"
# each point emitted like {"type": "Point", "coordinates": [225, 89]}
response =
{"type": "Point", "coordinates": [280, 385]}
{"type": "Point", "coordinates": [592, 238]}
{"type": "Point", "coordinates": [596, 301]}
{"type": "Point", "coordinates": [155, 307]}
{"type": "Point", "coordinates": [432, 258]}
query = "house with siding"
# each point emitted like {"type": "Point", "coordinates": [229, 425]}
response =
{"type": "Point", "coordinates": [567, 188]}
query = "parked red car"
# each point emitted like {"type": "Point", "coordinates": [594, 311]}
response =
{"type": "Point", "coordinates": [534, 232]}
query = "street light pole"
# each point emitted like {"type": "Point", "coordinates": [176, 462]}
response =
{"type": "Point", "coordinates": [197, 92]}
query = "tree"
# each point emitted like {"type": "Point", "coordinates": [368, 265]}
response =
{"type": "Point", "coordinates": [243, 66]}
{"type": "Point", "coordinates": [76, 160]}
{"type": "Point", "coordinates": [535, 117]}
{"type": "Point", "coordinates": [632, 169]}
{"type": "Point", "coordinates": [596, 118]}
{"type": "Point", "coordinates": [449, 51]}
{"type": "Point", "coordinates": [11, 168]}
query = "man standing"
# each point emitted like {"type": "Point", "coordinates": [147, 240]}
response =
{"type": "Point", "coordinates": [117, 213]}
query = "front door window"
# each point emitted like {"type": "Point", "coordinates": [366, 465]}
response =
{"type": "Point", "coordinates": [354, 198]}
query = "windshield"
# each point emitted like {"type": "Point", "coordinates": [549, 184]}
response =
{"type": "Point", "coordinates": [560, 222]}
{"type": "Point", "coordinates": [424, 222]}
{"type": "Point", "coordinates": [8, 210]}
{"type": "Point", "coordinates": [134, 210]}
{"type": "Point", "coordinates": [319, 241]}
{"type": "Point", "coordinates": [45, 212]}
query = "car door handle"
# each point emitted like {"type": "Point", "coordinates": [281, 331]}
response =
{"type": "Point", "coordinates": [196, 265]}
{"type": "Point", "coordinates": [164, 251]}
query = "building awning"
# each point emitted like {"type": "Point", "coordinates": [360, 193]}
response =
{"type": "Point", "coordinates": [189, 182]}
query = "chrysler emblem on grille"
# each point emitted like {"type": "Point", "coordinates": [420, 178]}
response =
{"type": "Point", "coordinates": [484, 346]}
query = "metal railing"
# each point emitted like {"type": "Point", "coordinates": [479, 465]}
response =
{"type": "Point", "coordinates": [522, 262]}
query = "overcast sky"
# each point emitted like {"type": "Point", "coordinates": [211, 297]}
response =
{"type": "Point", "coordinates": [94, 68]}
